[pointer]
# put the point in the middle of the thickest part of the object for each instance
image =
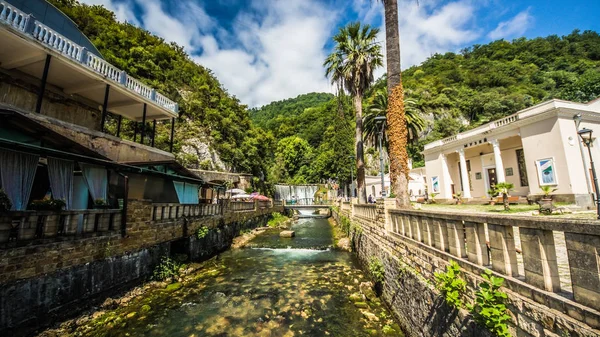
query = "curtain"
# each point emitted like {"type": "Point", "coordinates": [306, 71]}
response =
{"type": "Point", "coordinates": [191, 194]}
{"type": "Point", "coordinates": [60, 174]}
{"type": "Point", "coordinates": [17, 171]}
{"type": "Point", "coordinates": [96, 178]}
{"type": "Point", "coordinates": [180, 190]}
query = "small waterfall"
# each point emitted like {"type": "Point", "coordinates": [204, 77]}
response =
{"type": "Point", "coordinates": [297, 192]}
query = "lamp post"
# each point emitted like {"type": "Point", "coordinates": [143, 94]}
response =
{"type": "Point", "coordinates": [352, 178]}
{"type": "Point", "coordinates": [586, 137]}
{"type": "Point", "coordinates": [380, 121]}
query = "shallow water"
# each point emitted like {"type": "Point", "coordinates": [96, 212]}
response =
{"type": "Point", "coordinates": [276, 287]}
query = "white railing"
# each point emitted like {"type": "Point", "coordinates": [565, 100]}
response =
{"type": "Point", "coordinates": [102, 67]}
{"type": "Point", "coordinates": [138, 87]}
{"type": "Point", "coordinates": [507, 120]}
{"type": "Point", "coordinates": [368, 212]}
{"type": "Point", "coordinates": [26, 24]}
{"type": "Point", "coordinates": [12, 16]}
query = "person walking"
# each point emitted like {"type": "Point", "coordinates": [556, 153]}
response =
{"type": "Point", "coordinates": [370, 200]}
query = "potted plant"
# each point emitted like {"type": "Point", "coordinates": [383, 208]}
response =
{"type": "Point", "coordinates": [101, 204]}
{"type": "Point", "coordinates": [47, 205]}
{"type": "Point", "coordinates": [504, 189]}
{"type": "Point", "coordinates": [432, 198]}
{"type": "Point", "coordinates": [546, 190]}
{"type": "Point", "coordinates": [493, 193]}
{"type": "Point", "coordinates": [5, 203]}
{"type": "Point", "coordinates": [458, 197]}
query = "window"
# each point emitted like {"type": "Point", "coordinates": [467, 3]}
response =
{"type": "Point", "coordinates": [522, 169]}
{"type": "Point", "coordinates": [508, 171]}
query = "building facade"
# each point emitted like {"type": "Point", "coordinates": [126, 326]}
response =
{"type": "Point", "coordinates": [535, 147]}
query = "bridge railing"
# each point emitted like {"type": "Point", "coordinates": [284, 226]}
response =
{"type": "Point", "coordinates": [17, 226]}
{"type": "Point", "coordinates": [556, 255]}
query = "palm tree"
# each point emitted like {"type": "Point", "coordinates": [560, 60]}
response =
{"type": "Point", "coordinates": [414, 122]}
{"type": "Point", "coordinates": [396, 120]}
{"type": "Point", "coordinates": [356, 54]}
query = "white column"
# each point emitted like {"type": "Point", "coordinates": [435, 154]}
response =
{"type": "Point", "coordinates": [498, 159]}
{"type": "Point", "coordinates": [445, 184]}
{"type": "Point", "coordinates": [464, 175]}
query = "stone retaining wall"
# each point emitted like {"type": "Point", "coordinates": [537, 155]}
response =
{"type": "Point", "coordinates": [42, 283]}
{"type": "Point", "coordinates": [409, 288]}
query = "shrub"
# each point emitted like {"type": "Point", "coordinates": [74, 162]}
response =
{"type": "Point", "coordinates": [547, 189]}
{"type": "Point", "coordinates": [377, 270]}
{"type": "Point", "coordinates": [504, 189]}
{"type": "Point", "coordinates": [489, 309]}
{"type": "Point", "coordinates": [166, 269]}
{"type": "Point", "coordinates": [276, 219]}
{"type": "Point", "coordinates": [451, 285]}
{"type": "Point", "coordinates": [47, 205]}
{"type": "Point", "coordinates": [5, 203]}
{"type": "Point", "coordinates": [202, 232]}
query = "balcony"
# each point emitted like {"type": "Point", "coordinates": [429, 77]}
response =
{"type": "Point", "coordinates": [75, 70]}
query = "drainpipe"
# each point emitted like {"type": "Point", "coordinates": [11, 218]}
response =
{"type": "Point", "coordinates": [577, 119]}
{"type": "Point", "coordinates": [124, 211]}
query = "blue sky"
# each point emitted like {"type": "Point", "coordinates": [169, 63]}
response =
{"type": "Point", "coordinates": [266, 50]}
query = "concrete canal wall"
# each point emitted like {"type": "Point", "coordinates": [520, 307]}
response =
{"type": "Point", "coordinates": [413, 245]}
{"type": "Point", "coordinates": [43, 282]}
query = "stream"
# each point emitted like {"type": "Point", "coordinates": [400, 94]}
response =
{"type": "Point", "coordinates": [274, 286]}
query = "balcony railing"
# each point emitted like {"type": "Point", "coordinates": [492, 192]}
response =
{"type": "Point", "coordinates": [174, 211]}
{"type": "Point", "coordinates": [25, 23]}
{"type": "Point", "coordinates": [241, 206]}
{"type": "Point", "coordinates": [29, 225]}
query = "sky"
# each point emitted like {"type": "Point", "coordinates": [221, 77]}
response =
{"type": "Point", "coordinates": [268, 50]}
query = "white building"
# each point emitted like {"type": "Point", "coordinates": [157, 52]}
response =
{"type": "Point", "coordinates": [534, 147]}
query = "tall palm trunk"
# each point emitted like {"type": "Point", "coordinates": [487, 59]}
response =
{"type": "Point", "coordinates": [360, 155]}
{"type": "Point", "coordinates": [396, 120]}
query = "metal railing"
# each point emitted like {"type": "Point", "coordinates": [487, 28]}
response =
{"type": "Point", "coordinates": [26, 24]}
{"type": "Point", "coordinates": [30, 225]}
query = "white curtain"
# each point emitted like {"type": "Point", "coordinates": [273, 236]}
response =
{"type": "Point", "coordinates": [60, 174]}
{"type": "Point", "coordinates": [180, 190]}
{"type": "Point", "coordinates": [96, 178]}
{"type": "Point", "coordinates": [17, 171]}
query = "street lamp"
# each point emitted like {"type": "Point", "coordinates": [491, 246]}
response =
{"type": "Point", "coordinates": [351, 178]}
{"type": "Point", "coordinates": [380, 121]}
{"type": "Point", "coordinates": [586, 137]}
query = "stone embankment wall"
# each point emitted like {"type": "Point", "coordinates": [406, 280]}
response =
{"type": "Point", "coordinates": [409, 284]}
{"type": "Point", "coordinates": [43, 283]}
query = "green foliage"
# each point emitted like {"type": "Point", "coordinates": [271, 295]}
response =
{"type": "Point", "coordinates": [489, 309]}
{"type": "Point", "coordinates": [202, 232]}
{"type": "Point", "coordinates": [451, 285]}
{"type": "Point", "coordinates": [206, 110]}
{"type": "Point", "coordinates": [547, 189]}
{"type": "Point", "coordinates": [277, 219]}
{"type": "Point", "coordinates": [377, 270]}
{"type": "Point", "coordinates": [504, 188]}
{"type": "Point", "coordinates": [5, 203]}
{"type": "Point", "coordinates": [432, 198]}
{"type": "Point", "coordinates": [167, 269]}
{"type": "Point", "coordinates": [47, 205]}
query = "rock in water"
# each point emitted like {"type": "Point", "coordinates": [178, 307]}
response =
{"type": "Point", "coordinates": [287, 234]}
{"type": "Point", "coordinates": [367, 289]}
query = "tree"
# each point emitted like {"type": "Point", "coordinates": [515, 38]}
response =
{"type": "Point", "coordinates": [356, 54]}
{"type": "Point", "coordinates": [414, 122]}
{"type": "Point", "coordinates": [504, 189]}
{"type": "Point", "coordinates": [396, 120]}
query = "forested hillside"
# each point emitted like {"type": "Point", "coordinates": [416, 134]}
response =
{"type": "Point", "coordinates": [213, 126]}
{"type": "Point", "coordinates": [460, 91]}
{"type": "Point", "coordinates": [456, 92]}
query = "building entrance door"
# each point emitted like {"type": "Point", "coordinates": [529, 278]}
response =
{"type": "Point", "coordinates": [491, 173]}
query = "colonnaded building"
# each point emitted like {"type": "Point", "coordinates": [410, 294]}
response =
{"type": "Point", "coordinates": [535, 147]}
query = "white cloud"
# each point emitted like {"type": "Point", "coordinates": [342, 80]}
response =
{"type": "Point", "coordinates": [514, 27]}
{"type": "Point", "coordinates": [279, 56]}
{"type": "Point", "coordinates": [123, 11]}
{"type": "Point", "coordinates": [428, 28]}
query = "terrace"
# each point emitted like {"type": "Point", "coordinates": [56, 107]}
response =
{"type": "Point", "coordinates": [42, 54]}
